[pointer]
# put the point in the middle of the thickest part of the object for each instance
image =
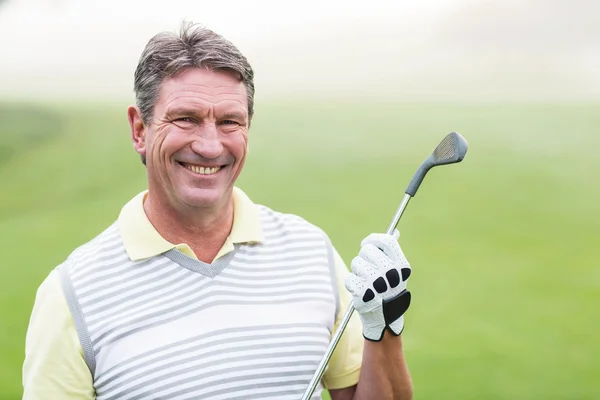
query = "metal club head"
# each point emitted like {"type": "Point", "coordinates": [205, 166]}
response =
{"type": "Point", "coordinates": [452, 149]}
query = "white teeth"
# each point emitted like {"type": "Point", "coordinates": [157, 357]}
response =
{"type": "Point", "coordinates": [202, 170]}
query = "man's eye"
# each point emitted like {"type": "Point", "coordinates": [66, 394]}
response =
{"type": "Point", "coordinates": [228, 122]}
{"type": "Point", "coordinates": [183, 119]}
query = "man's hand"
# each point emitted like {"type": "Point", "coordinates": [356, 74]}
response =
{"type": "Point", "coordinates": [378, 285]}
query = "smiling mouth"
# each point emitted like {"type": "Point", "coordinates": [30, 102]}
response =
{"type": "Point", "coordinates": [200, 170]}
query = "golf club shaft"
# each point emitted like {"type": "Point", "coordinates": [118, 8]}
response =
{"type": "Point", "coordinates": [338, 334]}
{"type": "Point", "coordinates": [399, 213]}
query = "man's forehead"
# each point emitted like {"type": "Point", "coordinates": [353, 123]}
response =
{"type": "Point", "coordinates": [206, 81]}
{"type": "Point", "coordinates": [200, 87]}
{"type": "Point", "coordinates": [192, 102]}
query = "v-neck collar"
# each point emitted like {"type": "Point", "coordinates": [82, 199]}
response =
{"type": "Point", "coordinates": [209, 270]}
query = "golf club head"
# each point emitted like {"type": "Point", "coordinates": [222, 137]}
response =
{"type": "Point", "coordinates": [451, 150]}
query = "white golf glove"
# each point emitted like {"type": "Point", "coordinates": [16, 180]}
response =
{"type": "Point", "coordinates": [378, 285]}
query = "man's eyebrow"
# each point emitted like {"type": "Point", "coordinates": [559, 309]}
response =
{"type": "Point", "coordinates": [183, 110]}
{"type": "Point", "coordinates": [233, 115]}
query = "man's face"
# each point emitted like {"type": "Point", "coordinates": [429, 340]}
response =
{"type": "Point", "coordinates": [196, 144]}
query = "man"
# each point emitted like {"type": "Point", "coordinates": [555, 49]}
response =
{"type": "Point", "coordinates": [195, 292]}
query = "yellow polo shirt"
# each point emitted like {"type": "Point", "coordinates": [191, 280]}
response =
{"type": "Point", "coordinates": [54, 367]}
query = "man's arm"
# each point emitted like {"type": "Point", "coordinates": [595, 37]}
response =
{"type": "Point", "coordinates": [54, 367]}
{"type": "Point", "coordinates": [343, 371]}
{"type": "Point", "coordinates": [384, 372]}
{"type": "Point", "coordinates": [380, 373]}
{"type": "Point", "coordinates": [383, 376]}
{"type": "Point", "coordinates": [378, 287]}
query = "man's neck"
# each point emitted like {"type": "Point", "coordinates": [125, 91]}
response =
{"type": "Point", "coordinates": [204, 230]}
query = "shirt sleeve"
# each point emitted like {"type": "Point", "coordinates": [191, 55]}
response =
{"type": "Point", "coordinates": [345, 363]}
{"type": "Point", "coordinates": [54, 367]}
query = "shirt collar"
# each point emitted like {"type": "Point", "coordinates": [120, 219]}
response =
{"type": "Point", "coordinates": [142, 240]}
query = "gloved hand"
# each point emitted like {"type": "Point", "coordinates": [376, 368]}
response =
{"type": "Point", "coordinates": [378, 285]}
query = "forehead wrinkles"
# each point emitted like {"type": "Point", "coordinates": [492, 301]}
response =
{"type": "Point", "coordinates": [201, 107]}
{"type": "Point", "coordinates": [203, 100]}
{"type": "Point", "coordinates": [209, 89]}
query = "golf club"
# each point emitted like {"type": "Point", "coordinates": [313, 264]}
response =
{"type": "Point", "coordinates": [452, 149]}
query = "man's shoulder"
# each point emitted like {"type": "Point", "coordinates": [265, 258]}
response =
{"type": "Point", "coordinates": [273, 220]}
{"type": "Point", "coordinates": [104, 245]}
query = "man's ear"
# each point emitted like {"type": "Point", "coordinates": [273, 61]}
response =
{"type": "Point", "coordinates": [138, 130]}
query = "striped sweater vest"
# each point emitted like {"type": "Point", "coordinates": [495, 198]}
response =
{"type": "Point", "coordinates": [254, 324]}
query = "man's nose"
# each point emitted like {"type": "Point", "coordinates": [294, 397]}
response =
{"type": "Point", "coordinates": [207, 142]}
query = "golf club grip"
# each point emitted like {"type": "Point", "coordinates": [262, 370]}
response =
{"type": "Point", "coordinates": [338, 334]}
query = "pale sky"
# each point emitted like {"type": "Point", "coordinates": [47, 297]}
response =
{"type": "Point", "coordinates": [89, 48]}
{"type": "Point", "coordinates": [54, 45]}
{"type": "Point", "coordinates": [250, 22]}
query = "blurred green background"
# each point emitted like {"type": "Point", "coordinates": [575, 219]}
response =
{"type": "Point", "coordinates": [503, 245]}
{"type": "Point", "coordinates": [351, 97]}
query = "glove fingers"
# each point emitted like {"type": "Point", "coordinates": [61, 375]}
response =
{"type": "Point", "coordinates": [373, 255]}
{"type": "Point", "coordinates": [379, 236]}
{"type": "Point", "coordinates": [364, 269]}
{"type": "Point", "coordinates": [365, 296]}
{"type": "Point", "coordinates": [354, 284]}
{"type": "Point", "coordinates": [388, 244]}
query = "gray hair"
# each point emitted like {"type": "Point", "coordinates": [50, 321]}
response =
{"type": "Point", "coordinates": [167, 53]}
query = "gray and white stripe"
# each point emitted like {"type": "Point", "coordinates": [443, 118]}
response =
{"type": "Point", "coordinates": [253, 325]}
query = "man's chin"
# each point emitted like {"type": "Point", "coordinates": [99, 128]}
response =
{"type": "Point", "coordinates": [203, 198]}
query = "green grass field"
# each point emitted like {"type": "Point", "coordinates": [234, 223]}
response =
{"type": "Point", "coordinates": [504, 246]}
